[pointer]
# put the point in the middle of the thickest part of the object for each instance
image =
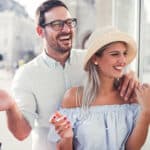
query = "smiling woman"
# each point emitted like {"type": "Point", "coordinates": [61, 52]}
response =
{"type": "Point", "coordinates": [96, 110]}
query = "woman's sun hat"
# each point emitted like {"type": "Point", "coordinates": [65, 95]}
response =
{"type": "Point", "coordinates": [103, 36]}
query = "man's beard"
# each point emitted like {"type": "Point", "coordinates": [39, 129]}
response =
{"type": "Point", "coordinates": [62, 41]}
{"type": "Point", "coordinates": [62, 50]}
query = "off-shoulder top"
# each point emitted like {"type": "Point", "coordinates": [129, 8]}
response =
{"type": "Point", "coordinates": [104, 127]}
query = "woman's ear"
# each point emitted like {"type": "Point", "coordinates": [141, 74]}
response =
{"type": "Point", "coordinates": [94, 60]}
{"type": "Point", "coordinates": [39, 31]}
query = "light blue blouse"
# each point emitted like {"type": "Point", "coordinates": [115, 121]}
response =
{"type": "Point", "coordinates": [104, 127]}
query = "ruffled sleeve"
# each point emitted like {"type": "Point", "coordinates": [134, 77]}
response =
{"type": "Point", "coordinates": [119, 120]}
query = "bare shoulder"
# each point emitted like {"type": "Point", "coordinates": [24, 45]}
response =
{"type": "Point", "coordinates": [70, 98]}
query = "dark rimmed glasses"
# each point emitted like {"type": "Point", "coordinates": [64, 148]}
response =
{"type": "Point", "coordinates": [58, 25]}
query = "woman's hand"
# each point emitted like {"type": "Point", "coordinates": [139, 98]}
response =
{"type": "Point", "coordinates": [143, 97]}
{"type": "Point", "coordinates": [62, 125]}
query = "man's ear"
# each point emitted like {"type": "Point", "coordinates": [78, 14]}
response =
{"type": "Point", "coordinates": [39, 31]}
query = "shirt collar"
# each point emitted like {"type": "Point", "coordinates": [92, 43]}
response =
{"type": "Point", "coordinates": [52, 63]}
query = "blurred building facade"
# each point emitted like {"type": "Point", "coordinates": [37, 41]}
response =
{"type": "Point", "coordinates": [97, 13]}
{"type": "Point", "coordinates": [18, 38]}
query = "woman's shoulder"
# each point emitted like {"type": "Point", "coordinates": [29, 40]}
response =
{"type": "Point", "coordinates": [72, 98]}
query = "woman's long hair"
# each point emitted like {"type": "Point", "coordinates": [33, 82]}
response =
{"type": "Point", "coordinates": [91, 85]}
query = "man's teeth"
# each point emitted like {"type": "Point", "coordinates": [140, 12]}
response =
{"type": "Point", "coordinates": [64, 37]}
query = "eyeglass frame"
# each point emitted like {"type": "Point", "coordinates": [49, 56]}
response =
{"type": "Point", "coordinates": [61, 24]}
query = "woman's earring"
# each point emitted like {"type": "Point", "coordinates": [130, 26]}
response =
{"type": "Point", "coordinates": [96, 63]}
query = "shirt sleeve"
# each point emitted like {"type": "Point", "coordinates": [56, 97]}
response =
{"type": "Point", "coordinates": [23, 95]}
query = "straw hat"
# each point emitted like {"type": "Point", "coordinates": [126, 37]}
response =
{"type": "Point", "coordinates": [101, 37]}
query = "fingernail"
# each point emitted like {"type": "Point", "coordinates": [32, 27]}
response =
{"type": "Point", "coordinates": [125, 98]}
{"type": "Point", "coordinates": [67, 127]}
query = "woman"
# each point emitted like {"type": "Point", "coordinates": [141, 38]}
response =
{"type": "Point", "coordinates": [99, 118]}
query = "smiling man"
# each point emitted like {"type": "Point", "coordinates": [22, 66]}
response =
{"type": "Point", "coordinates": [38, 86]}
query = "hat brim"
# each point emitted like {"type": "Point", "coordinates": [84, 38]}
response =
{"type": "Point", "coordinates": [97, 41]}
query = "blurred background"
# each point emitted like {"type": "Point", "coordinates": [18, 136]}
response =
{"type": "Point", "coordinates": [19, 42]}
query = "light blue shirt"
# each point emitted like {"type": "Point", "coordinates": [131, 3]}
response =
{"type": "Point", "coordinates": [104, 127]}
{"type": "Point", "coordinates": [38, 88]}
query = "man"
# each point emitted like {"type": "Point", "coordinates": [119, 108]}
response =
{"type": "Point", "coordinates": [38, 86]}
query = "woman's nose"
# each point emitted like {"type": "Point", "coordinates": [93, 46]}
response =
{"type": "Point", "coordinates": [122, 60]}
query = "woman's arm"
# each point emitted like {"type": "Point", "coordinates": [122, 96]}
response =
{"type": "Point", "coordinates": [65, 144]}
{"type": "Point", "coordinates": [140, 131]}
{"type": "Point", "coordinates": [138, 137]}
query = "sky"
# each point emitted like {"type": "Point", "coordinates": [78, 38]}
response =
{"type": "Point", "coordinates": [30, 6]}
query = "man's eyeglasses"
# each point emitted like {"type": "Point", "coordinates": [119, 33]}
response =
{"type": "Point", "coordinates": [58, 25]}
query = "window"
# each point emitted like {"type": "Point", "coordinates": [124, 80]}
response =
{"type": "Point", "coordinates": [144, 51]}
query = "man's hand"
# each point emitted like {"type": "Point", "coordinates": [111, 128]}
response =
{"type": "Point", "coordinates": [6, 101]}
{"type": "Point", "coordinates": [128, 83]}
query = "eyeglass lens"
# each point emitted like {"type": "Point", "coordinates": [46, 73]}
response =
{"type": "Point", "coordinates": [59, 24]}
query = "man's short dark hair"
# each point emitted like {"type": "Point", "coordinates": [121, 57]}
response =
{"type": "Point", "coordinates": [46, 6]}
